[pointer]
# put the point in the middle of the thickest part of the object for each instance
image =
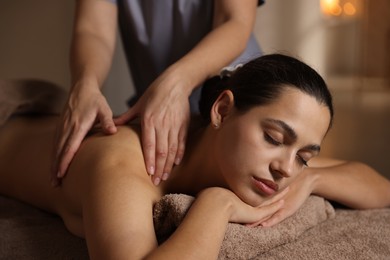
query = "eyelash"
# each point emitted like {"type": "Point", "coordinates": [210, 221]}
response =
{"type": "Point", "coordinates": [272, 141]}
{"type": "Point", "coordinates": [302, 161]}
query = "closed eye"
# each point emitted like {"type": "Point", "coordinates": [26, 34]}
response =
{"type": "Point", "coordinates": [301, 161]}
{"type": "Point", "coordinates": [271, 140]}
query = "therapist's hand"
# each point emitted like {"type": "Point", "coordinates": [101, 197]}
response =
{"type": "Point", "coordinates": [164, 111]}
{"type": "Point", "coordinates": [86, 107]}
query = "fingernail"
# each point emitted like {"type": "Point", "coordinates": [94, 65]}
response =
{"type": "Point", "coordinates": [111, 128]}
{"type": "Point", "coordinates": [156, 181]}
{"type": "Point", "coordinates": [151, 170]}
{"type": "Point", "coordinates": [59, 175]}
{"type": "Point", "coordinates": [165, 176]}
{"type": "Point", "coordinates": [177, 161]}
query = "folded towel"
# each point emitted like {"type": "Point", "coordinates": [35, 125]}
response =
{"type": "Point", "coordinates": [241, 242]}
{"type": "Point", "coordinates": [28, 233]}
{"type": "Point", "coordinates": [351, 235]}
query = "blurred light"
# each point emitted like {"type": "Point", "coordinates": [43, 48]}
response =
{"type": "Point", "coordinates": [349, 9]}
{"type": "Point", "coordinates": [331, 7]}
{"type": "Point", "coordinates": [336, 11]}
{"type": "Point", "coordinates": [339, 7]}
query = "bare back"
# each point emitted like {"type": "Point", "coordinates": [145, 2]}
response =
{"type": "Point", "coordinates": [107, 177]}
{"type": "Point", "coordinates": [25, 158]}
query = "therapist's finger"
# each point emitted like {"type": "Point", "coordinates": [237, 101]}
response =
{"type": "Point", "coordinates": [60, 141]}
{"type": "Point", "coordinates": [148, 146]}
{"type": "Point", "coordinates": [70, 148]}
{"type": "Point", "coordinates": [129, 115]}
{"type": "Point", "coordinates": [62, 135]}
{"type": "Point", "coordinates": [161, 153]}
{"type": "Point", "coordinates": [171, 153]}
{"type": "Point", "coordinates": [106, 121]}
{"type": "Point", "coordinates": [182, 137]}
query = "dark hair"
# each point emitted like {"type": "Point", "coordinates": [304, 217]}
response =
{"type": "Point", "coordinates": [261, 81]}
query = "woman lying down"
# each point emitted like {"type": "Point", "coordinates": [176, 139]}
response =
{"type": "Point", "coordinates": [254, 162]}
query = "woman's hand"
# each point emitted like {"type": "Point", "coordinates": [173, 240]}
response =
{"type": "Point", "coordinates": [299, 190]}
{"type": "Point", "coordinates": [165, 114]}
{"type": "Point", "coordinates": [243, 213]}
{"type": "Point", "coordinates": [255, 216]}
{"type": "Point", "coordinates": [85, 107]}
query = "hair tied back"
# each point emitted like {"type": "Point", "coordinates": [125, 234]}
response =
{"type": "Point", "coordinates": [229, 71]}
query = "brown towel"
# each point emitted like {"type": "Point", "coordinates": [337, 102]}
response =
{"type": "Point", "coordinates": [243, 242]}
{"type": "Point", "coordinates": [28, 233]}
{"type": "Point", "coordinates": [351, 234]}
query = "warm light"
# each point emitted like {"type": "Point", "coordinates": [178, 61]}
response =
{"type": "Point", "coordinates": [339, 7]}
{"type": "Point", "coordinates": [336, 10]}
{"type": "Point", "coordinates": [349, 9]}
{"type": "Point", "coordinates": [331, 7]}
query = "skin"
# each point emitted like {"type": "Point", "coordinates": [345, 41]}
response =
{"type": "Point", "coordinates": [100, 197]}
{"type": "Point", "coordinates": [164, 130]}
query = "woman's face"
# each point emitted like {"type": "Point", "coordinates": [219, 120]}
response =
{"type": "Point", "coordinates": [262, 150]}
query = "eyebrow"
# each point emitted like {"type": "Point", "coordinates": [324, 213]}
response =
{"type": "Point", "coordinates": [292, 135]}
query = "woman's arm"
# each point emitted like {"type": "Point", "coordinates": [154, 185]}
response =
{"type": "Point", "coordinates": [233, 23]}
{"type": "Point", "coordinates": [201, 233]}
{"type": "Point", "coordinates": [92, 48]}
{"type": "Point", "coordinates": [352, 184]}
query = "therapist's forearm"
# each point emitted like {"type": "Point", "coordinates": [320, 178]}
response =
{"type": "Point", "coordinates": [217, 49]}
{"type": "Point", "coordinates": [93, 42]}
{"type": "Point", "coordinates": [90, 60]}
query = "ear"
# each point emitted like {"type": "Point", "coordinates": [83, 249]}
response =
{"type": "Point", "coordinates": [222, 108]}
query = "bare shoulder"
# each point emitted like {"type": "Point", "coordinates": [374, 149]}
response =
{"type": "Point", "coordinates": [122, 149]}
{"type": "Point", "coordinates": [110, 169]}
{"type": "Point", "coordinates": [127, 137]}
{"type": "Point", "coordinates": [108, 187]}
{"type": "Point", "coordinates": [118, 156]}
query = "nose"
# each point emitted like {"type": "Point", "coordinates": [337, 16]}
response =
{"type": "Point", "coordinates": [283, 167]}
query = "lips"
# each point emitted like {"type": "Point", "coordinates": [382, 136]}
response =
{"type": "Point", "coordinates": [265, 186]}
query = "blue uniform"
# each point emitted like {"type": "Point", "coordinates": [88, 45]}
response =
{"type": "Point", "coordinates": [157, 33]}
